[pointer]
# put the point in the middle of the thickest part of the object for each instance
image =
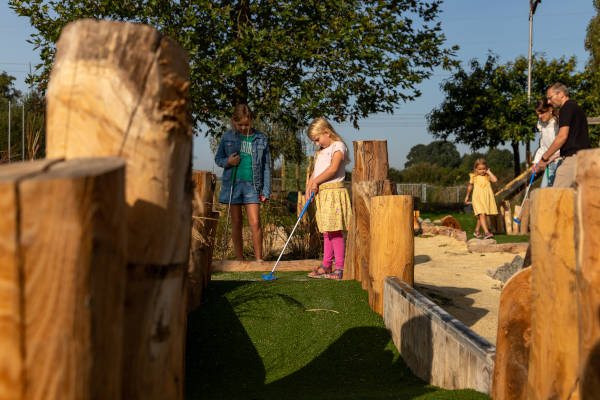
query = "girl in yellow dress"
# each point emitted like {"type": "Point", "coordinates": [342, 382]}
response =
{"type": "Point", "coordinates": [331, 197]}
{"type": "Point", "coordinates": [484, 202]}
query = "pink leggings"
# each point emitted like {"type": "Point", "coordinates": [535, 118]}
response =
{"type": "Point", "coordinates": [333, 245]}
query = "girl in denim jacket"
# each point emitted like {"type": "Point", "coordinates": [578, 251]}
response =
{"type": "Point", "coordinates": [246, 149]}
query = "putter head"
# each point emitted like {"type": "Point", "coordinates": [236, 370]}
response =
{"type": "Point", "coordinates": [517, 220]}
{"type": "Point", "coordinates": [269, 277]}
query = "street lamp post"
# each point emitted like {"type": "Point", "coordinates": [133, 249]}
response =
{"type": "Point", "coordinates": [532, 6]}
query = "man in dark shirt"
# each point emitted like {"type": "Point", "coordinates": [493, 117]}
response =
{"type": "Point", "coordinates": [572, 135]}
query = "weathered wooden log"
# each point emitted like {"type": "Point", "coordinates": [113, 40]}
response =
{"type": "Point", "coordinates": [515, 226]}
{"type": "Point", "coordinates": [507, 217]}
{"type": "Point", "coordinates": [512, 188]}
{"type": "Point", "coordinates": [122, 89]}
{"type": "Point", "coordinates": [362, 192]}
{"type": "Point", "coordinates": [512, 341]}
{"type": "Point", "coordinates": [553, 358]}
{"type": "Point", "coordinates": [370, 164]}
{"type": "Point", "coordinates": [62, 273]}
{"type": "Point", "coordinates": [392, 248]}
{"type": "Point", "coordinates": [587, 212]}
{"type": "Point", "coordinates": [204, 227]}
{"type": "Point", "coordinates": [370, 160]}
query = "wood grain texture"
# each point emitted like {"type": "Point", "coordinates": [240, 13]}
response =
{"type": "Point", "coordinates": [120, 89]}
{"type": "Point", "coordinates": [204, 227]}
{"type": "Point", "coordinates": [391, 251]}
{"type": "Point", "coordinates": [553, 356]}
{"type": "Point", "coordinates": [370, 160]}
{"type": "Point", "coordinates": [513, 339]}
{"type": "Point", "coordinates": [588, 270]}
{"type": "Point", "coordinates": [507, 218]}
{"type": "Point", "coordinates": [525, 217]}
{"type": "Point", "coordinates": [70, 241]}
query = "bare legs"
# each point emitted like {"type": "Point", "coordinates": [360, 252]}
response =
{"type": "Point", "coordinates": [252, 210]}
{"type": "Point", "coordinates": [481, 222]}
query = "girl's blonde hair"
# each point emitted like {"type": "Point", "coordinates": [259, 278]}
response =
{"type": "Point", "coordinates": [240, 112]}
{"type": "Point", "coordinates": [317, 127]}
{"type": "Point", "coordinates": [478, 162]}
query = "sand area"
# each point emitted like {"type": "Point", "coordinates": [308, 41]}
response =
{"type": "Point", "coordinates": [455, 279]}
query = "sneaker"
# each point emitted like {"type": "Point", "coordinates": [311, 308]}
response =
{"type": "Point", "coordinates": [488, 235]}
{"type": "Point", "coordinates": [477, 235]}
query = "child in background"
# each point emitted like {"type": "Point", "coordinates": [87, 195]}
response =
{"type": "Point", "coordinates": [331, 197]}
{"type": "Point", "coordinates": [548, 126]}
{"type": "Point", "coordinates": [484, 202]}
{"type": "Point", "coordinates": [247, 149]}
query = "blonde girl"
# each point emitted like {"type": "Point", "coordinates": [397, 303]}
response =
{"type": "Point", "coordinates": [547, 125]}
{"type": "Point", "coordinates": [331, 197]}
{"type": "Point", "coordinates": [245, 150]}
{"type": "Point", "coordinates": [484, 202]}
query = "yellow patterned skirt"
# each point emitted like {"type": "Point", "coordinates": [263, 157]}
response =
{"type": "Point", "coordinates": [333, 207]}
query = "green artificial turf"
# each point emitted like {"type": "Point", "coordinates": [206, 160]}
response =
{"type": "Point", "coordinates": [254, 339]}
{"type": "Point", "coordinates": [468, 222]}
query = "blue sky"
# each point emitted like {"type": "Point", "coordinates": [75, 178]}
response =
{"type": "Point", "coordinates": [477, 26]}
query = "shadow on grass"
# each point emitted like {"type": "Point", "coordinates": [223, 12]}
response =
{"type": "Point", "coordinates": [223, 361]}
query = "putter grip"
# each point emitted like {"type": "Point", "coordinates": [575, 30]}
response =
{"type": "Point", "coordinates": [306, 205]}
{"type": "Point", "coordinates": [233, 175]}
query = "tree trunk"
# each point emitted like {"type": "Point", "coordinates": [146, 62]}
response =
{"type": "Point", "coordinates": [392, 247]}
{"type": "Point", "coordinates": [136, 107]}
{"type": "Point", "coordinates": [298, 176]}
{"type": "Point", "coordinates": [553, 355]}
{"type": "Point", "coordinates": [516, 158]}
{"type": "Point", "coordinates": [512, 341]}
{"type": "Point", "coordinates": [62, 261]}
{"type": "Point", "coordinates": [587, 236]}
{"type": "Point", "coordinates": [283, 179]}
{"type": "Point", "coordinates": [370, 160]}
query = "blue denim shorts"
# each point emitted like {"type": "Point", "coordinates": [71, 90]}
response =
{"type": "Point", "coordinates": [243, 193]}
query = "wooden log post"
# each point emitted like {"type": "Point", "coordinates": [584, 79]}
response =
{"type": "Point", "coordinates": [553, 357]}
{"type": "Point", "coordinates": [512, 341]}
{"type": "Point", "coordinates": [515, 226]}
{"type": "Point", "coordinates": [204, 227]}
{"type": "Point", "coordinates": [587, 210]}
{"type": "Point", "coordinates": [62, 273]}
{"type": "Point", "coordinates": [370, 164]}
{"type": "Point", "coordinates": [122, 89]}
{"type": "Point", "coordinates": [508, 223]}
{"type": "Point", "coordinates": [392, 249]}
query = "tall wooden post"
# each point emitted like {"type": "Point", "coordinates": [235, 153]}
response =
{"type": "Point", "coordinates": [513, 339]}
{"type": "Point", "coordinates": [122, 89]}
{"type": "Point", "coordinates": [204, 228]}
{"type": "Point", "coordinates": [553, 359]}
{"type": "Point", "coordinates": [370, 164]}
{"type": "Point", "coordinates": [392, 245]}
{"type": "Point", "coordinates": [587, 234]}
{"type": "Point", "coordinates": [62, 274]}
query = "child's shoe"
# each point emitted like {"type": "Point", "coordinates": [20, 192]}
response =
{"type": "Point", "coordinates": [488, 235]}
{"type": "Point", "coordinates": [336, 275]}
{"type": "Point", "coordinates": [320, 272]}
{"type": "Point", "coordinates": [477, 234]}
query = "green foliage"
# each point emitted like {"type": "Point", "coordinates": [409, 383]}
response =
{"type": "Point", "coordinates": [425, 172]}
{"type": "Point", "coordinates": [592, 38]}
{"type": "Point", "coordinates": [295, 338]}
{"type": "Point", "coordinates": [26, 122]}
{"type": "Point", "coordinates": [441, 153]}
{"type": "Point", "coordinates": [487, 106]}
{"type": "Point", "coordinates": [290, 61]}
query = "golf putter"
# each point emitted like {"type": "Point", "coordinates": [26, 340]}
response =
{"type": "Point", "coordinates": [225, 241]}
{"type": "Point", "coordinates": [518, 219]}
{"type": "Point", "coordinates": [270, 277]}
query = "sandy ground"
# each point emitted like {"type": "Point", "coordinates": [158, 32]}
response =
{"type": "Point", "coordinates": [455, 279]}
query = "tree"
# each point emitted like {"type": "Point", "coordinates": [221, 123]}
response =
{"type": "Point", "coordinates": [440, 152]}
{"type": "Point", "coordinates": [289, 60]}
{"type": "Point", "coordinates": [487, 106]}
{"type": "Point", "coordinates": [7, 90]}
{"type": "Point", "coordinates": [592, 38]}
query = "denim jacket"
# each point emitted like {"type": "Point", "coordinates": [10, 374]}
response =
{"type": "Point", "coordinates": [261, 160]}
